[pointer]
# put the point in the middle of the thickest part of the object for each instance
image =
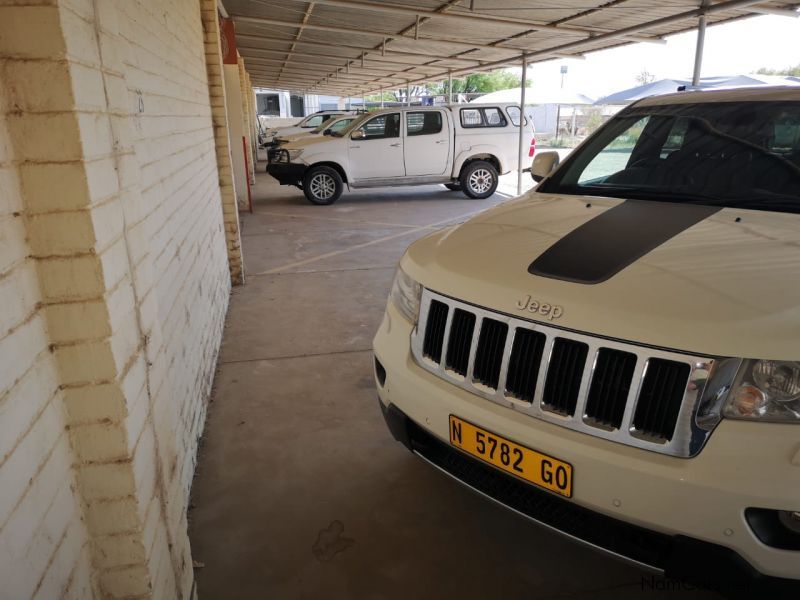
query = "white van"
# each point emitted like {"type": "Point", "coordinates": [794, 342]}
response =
{"type": "Point", "coordinates": [466, 147]}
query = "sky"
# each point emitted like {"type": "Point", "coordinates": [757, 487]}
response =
{"type": "Point", "coordinates": [735, 48]}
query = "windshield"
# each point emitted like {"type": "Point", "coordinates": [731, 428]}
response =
{"type": "Point", "coordinates": [731, 154]}
{"type": "Point", "coordinates": [350, 126]}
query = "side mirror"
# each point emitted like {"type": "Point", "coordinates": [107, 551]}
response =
{"type": "Point", "coordinates": [358, 134]}
{"type": "Point", "coordinates": [544, 163]}
{"type": "Point", "coordinates": [326, 132]}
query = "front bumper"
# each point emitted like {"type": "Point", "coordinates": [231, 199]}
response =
{"type": "Point", "coordinates": [684, 517]}
{"type": "Point", "coordinates": [287, 173]}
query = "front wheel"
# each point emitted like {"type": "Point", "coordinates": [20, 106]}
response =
{"type": "Point", "coordinates": [479, 179]}
{"type": "Point", "coordinates": [322, 185]}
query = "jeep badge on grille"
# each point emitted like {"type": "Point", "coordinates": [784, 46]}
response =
{"type": "Point", "coordinates": [550, 311]}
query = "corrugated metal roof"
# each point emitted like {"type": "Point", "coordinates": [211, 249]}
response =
{"type": "Point", "coordinates": [350, 47]}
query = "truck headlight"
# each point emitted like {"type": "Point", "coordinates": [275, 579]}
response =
{"type": "Point", "coordinates": [768, 390]}
{"type": "Point", "coordinates": [294, 154]}
{"type": "Point", "coordinates": [406, 295]}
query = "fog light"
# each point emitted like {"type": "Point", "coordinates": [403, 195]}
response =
{"type": "Point", "coordinates": [790, 520]}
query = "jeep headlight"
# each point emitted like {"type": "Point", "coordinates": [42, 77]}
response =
{"type": "Point", "coordinates": [768, 390]}
{"type": "Point", "coordinates": [405, 295]}
{"type": "Point", "coordinates": [294, 154]}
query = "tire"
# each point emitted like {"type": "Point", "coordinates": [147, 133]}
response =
{"type": "Point", "coordinates": [453, 187]}
{"type": "Point", "coordinates": [479, 179]}
{"type": "Point", "coordinates": [322, 185]}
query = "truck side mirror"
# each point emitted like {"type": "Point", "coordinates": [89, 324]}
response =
{"type": "Point", "coordinates": [358, 134]}
{"type": "Point", "coordinates": [544, 163]}
{"type": "Point", "coordinates": [326, 132]}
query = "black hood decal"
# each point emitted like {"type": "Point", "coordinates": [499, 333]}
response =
{"type": "Point", "coordinates": [602, 247]}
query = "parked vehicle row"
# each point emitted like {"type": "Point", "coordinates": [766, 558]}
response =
{"type": "Point", "coordinates": [465, 147]}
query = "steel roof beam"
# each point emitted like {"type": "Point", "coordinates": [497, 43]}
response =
{"type": "Point", "coordinates": [375, 72]}
{"type": "Point", "coordinates": [366, 50]}
{"type": "Point", "coordinates": [691, 14]}
{"type": "Point", "coordinates": [362, 32]}
{"type": "Point", "coordinates": [354, 63]}
{"type": "Point", "coordinates": [472, 18]}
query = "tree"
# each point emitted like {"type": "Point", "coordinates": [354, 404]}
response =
{"type": "Point", "coordinates": [644, 77]}
{"type": "Point", "coordinates": [790, 71]}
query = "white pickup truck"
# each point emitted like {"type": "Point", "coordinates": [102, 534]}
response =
{"type": "Point", "coordinates": [309, 123]}
{"type": "Point", "coordinates": [466, 147]}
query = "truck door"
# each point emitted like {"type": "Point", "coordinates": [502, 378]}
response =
{"type": "Point", "coordinates": [379, 153]}
{"type": "Point", "coordinates": [427, 144]}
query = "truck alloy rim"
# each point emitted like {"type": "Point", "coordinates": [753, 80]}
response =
{"type": "Point", "coordinates": [480, 181]}
{"type": "Point", "coordinates": [322, 186]}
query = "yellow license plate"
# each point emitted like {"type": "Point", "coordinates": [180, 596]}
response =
{"type": "Point", "coordinates": [537, 468]}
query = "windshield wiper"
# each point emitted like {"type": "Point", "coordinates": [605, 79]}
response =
{"type": "Point", "coordinates": [660, 196]}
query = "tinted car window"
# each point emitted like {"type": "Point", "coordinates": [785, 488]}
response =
{"type": "Point", "coordinates": [423, 123]}
{"type": "Point", "coordinates": [384, 126]}
{"type": "Point", "coordinates": [730, 154]}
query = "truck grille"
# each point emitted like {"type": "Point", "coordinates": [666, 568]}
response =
{"type": "Point", "coordinates": [632, 394]}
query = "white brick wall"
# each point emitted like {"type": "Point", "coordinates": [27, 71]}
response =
{"type": "Point", "coordinates": [117, 221]}
{"type": "Point", "coordinates": [44, 548]}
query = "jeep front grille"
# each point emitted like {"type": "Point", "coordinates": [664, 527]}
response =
{"type": "Point", "coordinates": [627, 393]}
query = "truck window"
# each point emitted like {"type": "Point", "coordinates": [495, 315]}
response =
{"type": "Point", "coordinates": [482, 117]}
{"type": "Point", "coordinates": [384, 126]}
{"type": "Point", "coordinates": [513, 114]}
{"type": "Point", "coordinates": [423, 123]}
{"type": "Point", "coordinates": [493, 117]}
{"type": "Point", "coordinates": [315, 121]}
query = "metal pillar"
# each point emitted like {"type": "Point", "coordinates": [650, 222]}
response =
{"type": "Point", "coordinates": [450, 86]}
{"type": "Point", "coordinates": [381, 93]}
{"type": "Point", "coordinates": [698, 53]}
{"type": "Point", "coordinates": [408, 94]}
{"type": "Point", "coordinates": [364, 102]}
{"type": "Point", "coordinates": [521, 123]}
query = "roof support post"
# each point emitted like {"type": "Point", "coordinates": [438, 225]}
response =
{"type": "Point", "coordinates": [698, 52]}
{"type": "Point", "coordinates": [408, 93]}
{"type": "Point", "coordinates": [450, 86]}
{"type": "Point", "coordinates": [521, 123]}
{"type": "Point", "coordinates": [381, 93]}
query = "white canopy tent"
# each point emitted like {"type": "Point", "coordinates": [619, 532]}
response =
{"type": "Point", "coordinates": [534, 96]}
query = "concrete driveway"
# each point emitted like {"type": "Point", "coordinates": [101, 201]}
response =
{"type": "Point", "coordinates": [300, 491]}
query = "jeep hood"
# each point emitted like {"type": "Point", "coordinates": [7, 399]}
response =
{"type": "Point", "coordinates": [726, 282]}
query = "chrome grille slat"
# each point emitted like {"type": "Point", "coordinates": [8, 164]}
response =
{"type": "Point", "coordinates": [605, 421]}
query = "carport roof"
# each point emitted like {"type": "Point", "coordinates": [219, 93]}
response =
{"type": "Point", "coordinates": [353, 47]}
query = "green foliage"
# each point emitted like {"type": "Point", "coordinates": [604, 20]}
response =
{"type": "Point", "coordinates": [481, 83]}
{"type": "Point", "coordinates": [491, 81]}
{"type": "Point", "coordinates": [794, 71]}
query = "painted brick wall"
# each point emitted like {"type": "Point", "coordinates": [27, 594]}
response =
{"type": "Point", "coordinates": [114, 266]}
{"type": "Point", "coordinates": [44, 550]}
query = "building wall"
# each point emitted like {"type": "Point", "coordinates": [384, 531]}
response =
{"type": "Point", "coordinates": [114, 278]}
{"type": "Point", "coordinates": [44, 547]}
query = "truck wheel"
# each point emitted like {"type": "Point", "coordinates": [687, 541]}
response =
{"type": "Point", "coordinates": [453, 187]}
{"type": "Point", "coordinates": [479, 179]}
{"type": "Point", "coordinates": [322, 185]}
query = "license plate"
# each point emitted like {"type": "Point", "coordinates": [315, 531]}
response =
{"type": "Point", "coordinates": [534, 467]}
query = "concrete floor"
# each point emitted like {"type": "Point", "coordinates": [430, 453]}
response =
{"type": "Point", "coordinates": [300, 490]}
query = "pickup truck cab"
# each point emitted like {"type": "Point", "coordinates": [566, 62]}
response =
{"type": "Point", "coordinates": [334, 124]}
{"type": "Point", "coordinates": [465, 147]}
{"type": "Point", "coordinates": [616, 354]}
{"type": "Point", "coordinates": [310, 122]}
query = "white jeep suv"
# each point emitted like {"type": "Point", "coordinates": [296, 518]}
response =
{"type": "Point", "coordinates": [616, 354]}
